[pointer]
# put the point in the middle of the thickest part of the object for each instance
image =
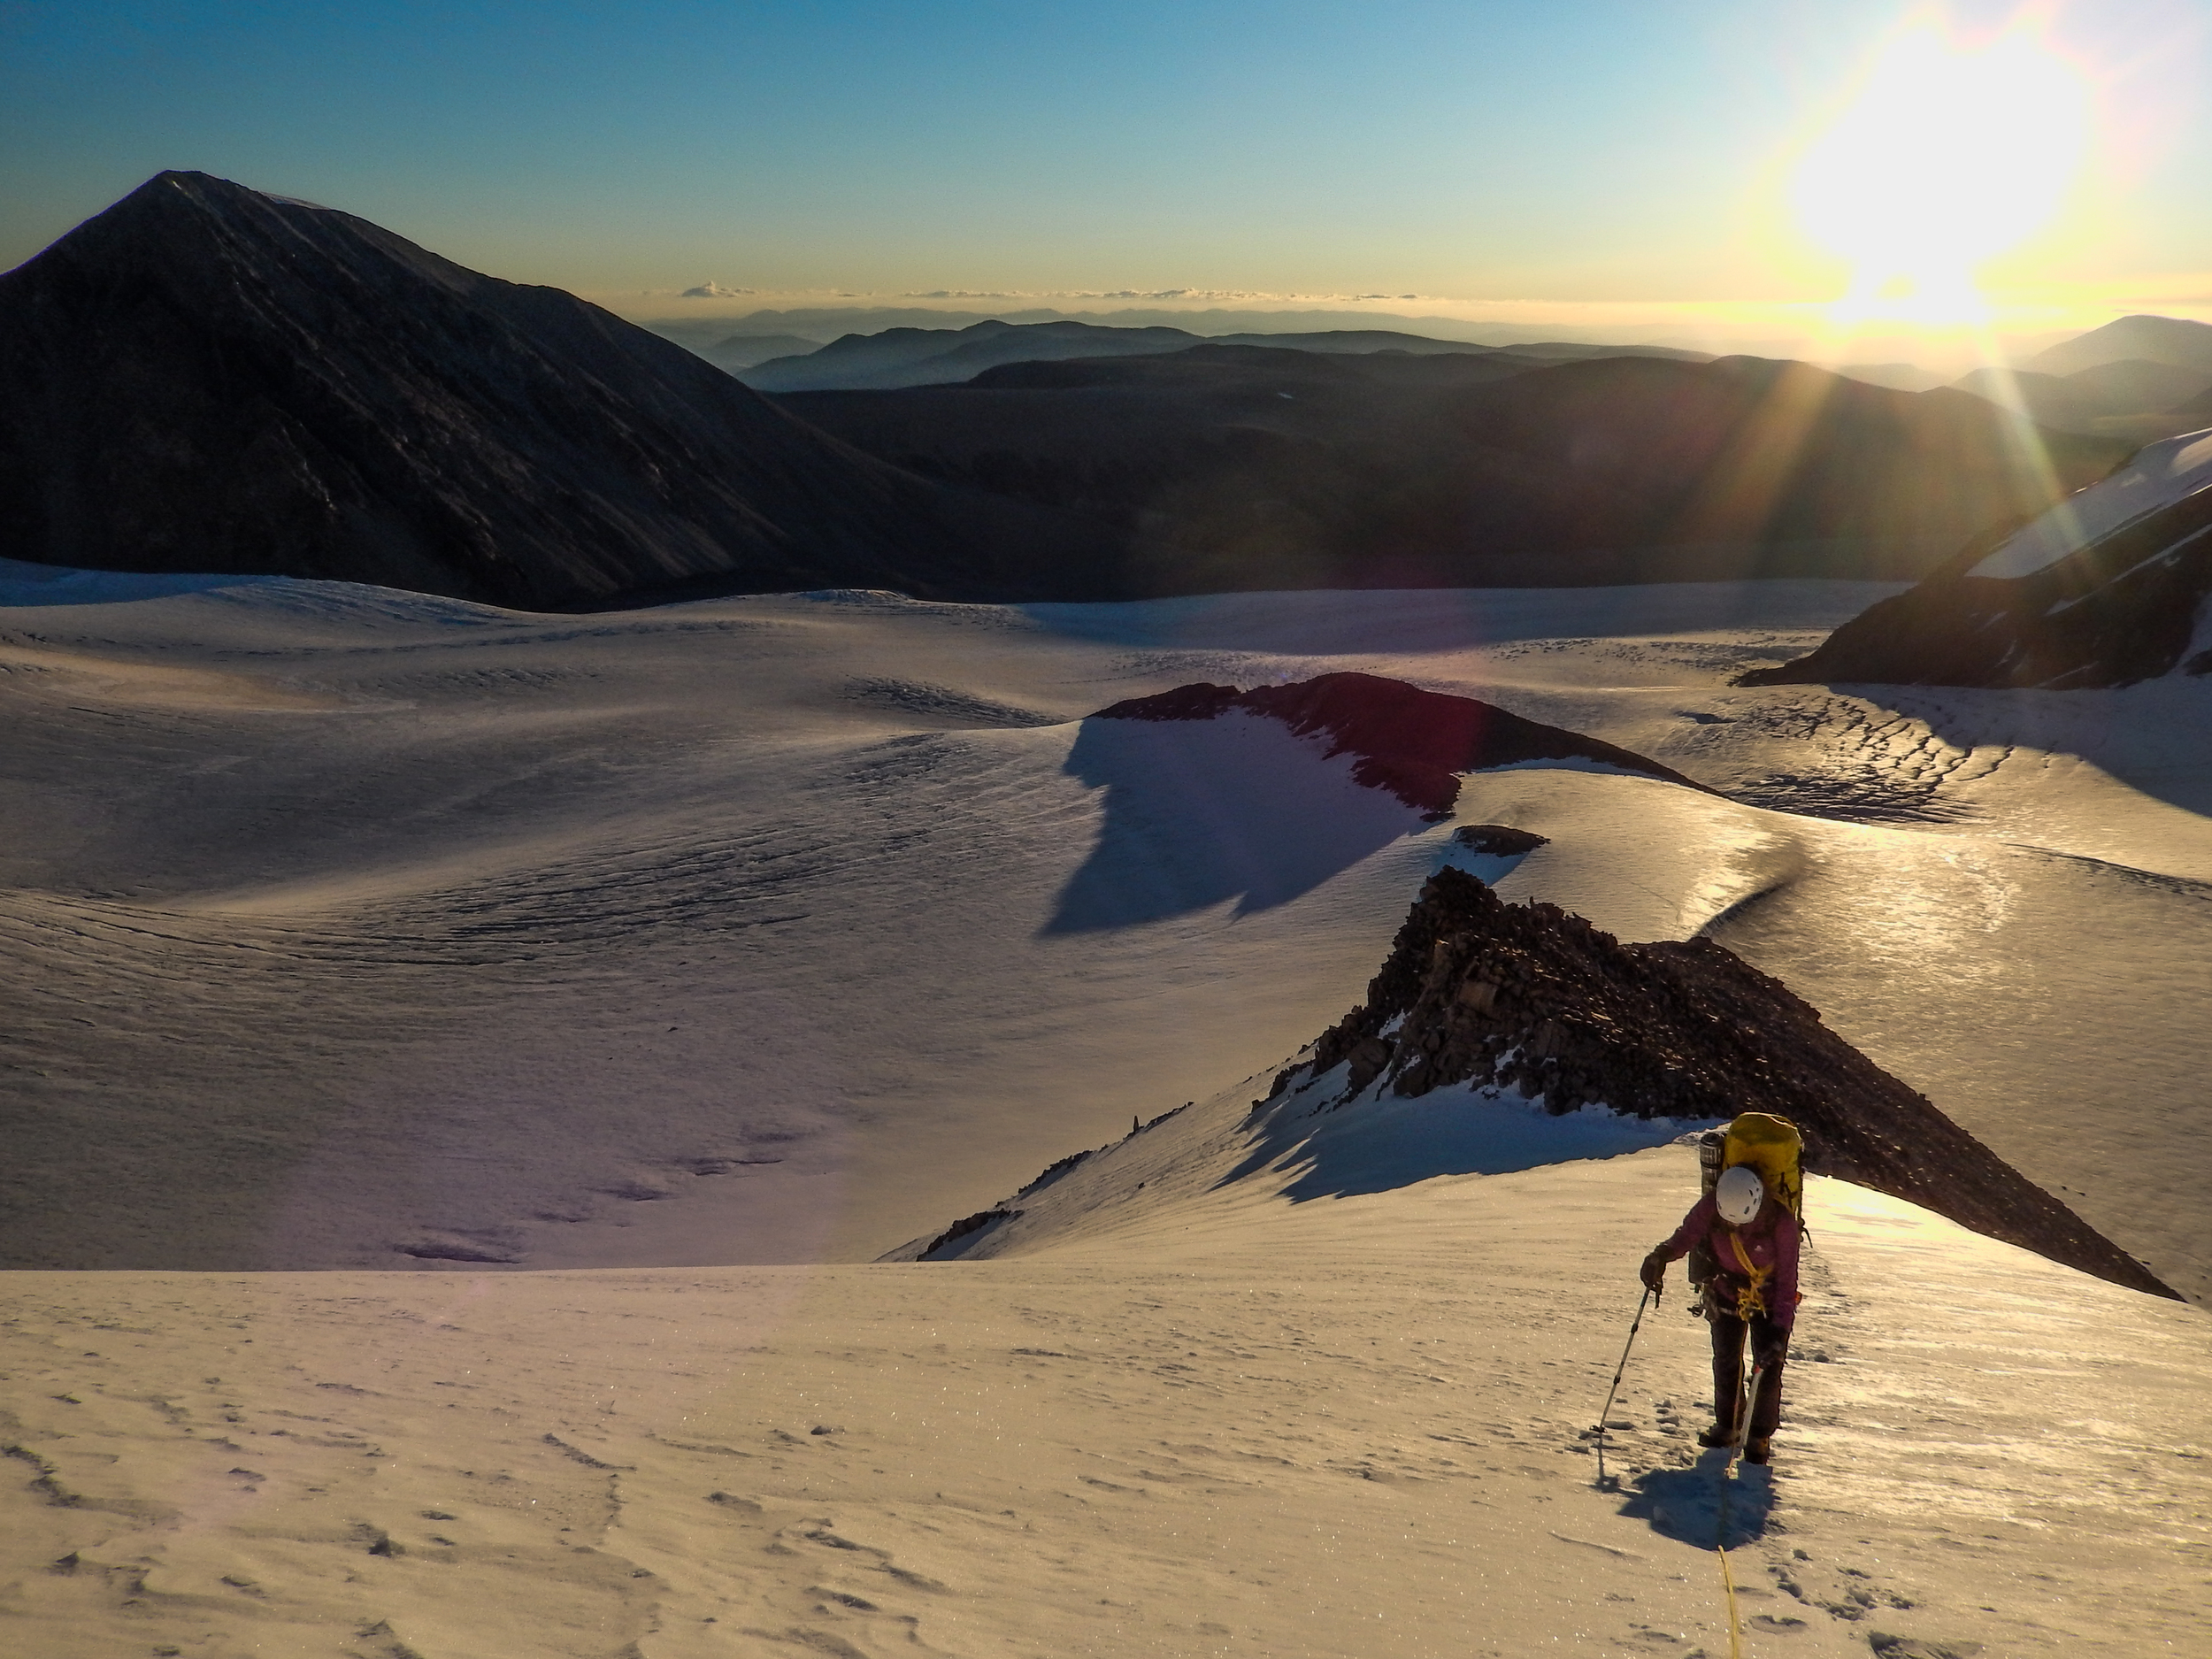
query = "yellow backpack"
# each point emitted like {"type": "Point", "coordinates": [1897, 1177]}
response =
{"type": "Point", "coordinates": [1772, 1147]}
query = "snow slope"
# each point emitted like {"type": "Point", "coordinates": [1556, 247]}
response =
{"type": "Point", "coordinates": [1352, 1426]}
{"type": "Point", "coordinates": [2158, 475]}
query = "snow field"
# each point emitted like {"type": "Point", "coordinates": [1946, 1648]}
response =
{"type": "Point", "coordinates": [346, 929]}
{"type": "Point", "coordinates": [777, 928]}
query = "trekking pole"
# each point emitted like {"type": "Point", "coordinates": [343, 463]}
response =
{"type": "Point", "coordinates": [1619, 1371]}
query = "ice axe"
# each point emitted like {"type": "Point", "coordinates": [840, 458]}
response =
{"type": "Point", "coordinates": [1746, 1410]}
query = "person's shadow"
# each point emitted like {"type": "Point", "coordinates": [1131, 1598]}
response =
{"type": "Point", "coordinates": [1687, 1504]}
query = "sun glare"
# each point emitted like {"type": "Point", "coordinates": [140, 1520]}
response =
{"type": "Point", "coordinates": [1950, 153]}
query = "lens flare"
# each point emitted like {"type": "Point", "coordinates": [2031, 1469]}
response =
{"type": "Point", "coordinates": [1949, 154]}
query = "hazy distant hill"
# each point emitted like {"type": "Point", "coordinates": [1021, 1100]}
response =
{"type": "Point", "coordinates": [2047, 397]}
{"type": "Point", "coordinates": [2194, 413]}
{"type": "Point", "coordinates": [2131, 397]}
{"type": "Point", "coordinates": [1899, 377]}
{"type": "Point", "coordinates": [919, 357]}
{"type": "Point", "coordinates": [940, 356]}
{"type": "Point", "coordinates": [203, 378]}
{"type": "Point", "coordinates": [1268, 468]}
{"type": "Point", "coordinates": [742, 351]}
{"type": "Point", "coordinates": [2173, 340]}
{"type": "Point", "coordinates": [2133, 383]}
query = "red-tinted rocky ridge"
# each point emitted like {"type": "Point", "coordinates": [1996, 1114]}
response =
{"type": "Point", "coordinates": [1408, 742]}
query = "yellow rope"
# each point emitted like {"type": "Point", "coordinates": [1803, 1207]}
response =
{"type": "Point", "coordinates": [1747, 1399]}
{"type": "Point", "coordinates": [1752, 1298]}
{"type": "Point", "coordinates": [1735, 1625]}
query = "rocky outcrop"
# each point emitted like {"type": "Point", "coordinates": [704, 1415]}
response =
{"type": "Point", "coordinates": [1530, 998]}
{"type": "Point", "coordinates": [2121, 604]}
{"type": "Point", "coordinates": [205, 378]}
{"type": "Point", "coordinates": [967, 1227]}
{"type": "Point", "coordinates": [1412, 742]}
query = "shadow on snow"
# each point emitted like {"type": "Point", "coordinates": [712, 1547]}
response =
{"type": "Point", "coordinates": [1198, 812]}
{"type": "Point", "coordinates": [1687, 1504]}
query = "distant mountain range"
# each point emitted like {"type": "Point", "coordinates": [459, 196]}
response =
{"type": "Point", "coordinates": [204, 378]}
{"type": "Point", "coordinates": [1265, 467]}
{"type": "Point", "coordinates": [832, 322]}
{"type": "Point", "coordinates": [2105, 589]}
{"type": "Point", "coordinates": [940, 356]}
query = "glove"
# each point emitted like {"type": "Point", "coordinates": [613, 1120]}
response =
{"type": "Point", "coordinates": [1767, 1355]}
{"type": "Point", "coordinates": [1653, 1273]}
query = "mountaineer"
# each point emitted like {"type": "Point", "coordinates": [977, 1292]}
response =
{"type": "Point", "coordinates": [1747, 1221]}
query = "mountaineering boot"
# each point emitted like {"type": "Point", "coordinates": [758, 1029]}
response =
{"type": "Point", "coordinates": [1758, 1451]}
{"type": "Point", "coordinates": [1719, 1434]}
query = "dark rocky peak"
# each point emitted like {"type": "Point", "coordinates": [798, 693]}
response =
{"type": "Point", "coordinates": [206, 378]}
{"type": "Point", "coordinates": [196, 224]}
{"type": "Point", "coordinates": [1480, 993]}
{"type": "Point", "coordinates": [1407, 741]}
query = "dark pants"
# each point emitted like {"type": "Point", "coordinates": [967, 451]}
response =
{"type": "Point", "coordinates": [1769, 1343]}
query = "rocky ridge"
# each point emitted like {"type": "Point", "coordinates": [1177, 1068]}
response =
{"type": "Point", "coordinates": [2123, 604]}
{"type": "Point", "coordinates": [1528, 997]}
{"type": "Point", "coordinates": [1501, 1009]}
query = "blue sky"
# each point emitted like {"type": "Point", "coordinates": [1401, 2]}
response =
{"type": "Point", "coordinates": [1586, 154]}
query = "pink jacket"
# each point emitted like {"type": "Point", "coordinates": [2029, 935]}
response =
{"type": "Point", "coordinates": [1769, 1242]}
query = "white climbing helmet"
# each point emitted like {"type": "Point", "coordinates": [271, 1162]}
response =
{"type": "Point", "coordinates": [1738, 1193]}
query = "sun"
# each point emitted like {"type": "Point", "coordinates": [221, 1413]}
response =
{"type": "Point", "coordinates": [1950, 153]}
